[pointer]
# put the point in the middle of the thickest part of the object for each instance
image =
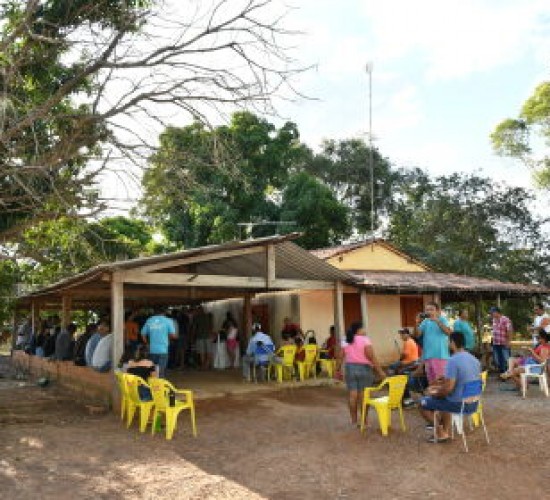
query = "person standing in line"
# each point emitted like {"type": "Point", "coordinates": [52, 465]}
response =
{"type": "Point", "coordinates": [462, 325]}
{"type": "Point", "coordinates": [502, 337]}
{"type": "Point", "coordinates": [361, 363]}
{"type": "Point", "coordinates": [435, 331]}
{"type": "Point", "coordinates": [157, 332]}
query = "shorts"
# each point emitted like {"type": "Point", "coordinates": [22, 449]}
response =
{"type": "Point", "coordinates": [446, 406]}
{"type": "Point", "coordinates": [435, 368]}
{"type": "Point", "coordinates": [358, 376]}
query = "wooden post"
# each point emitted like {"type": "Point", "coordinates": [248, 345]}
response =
{"type": "Point", "coordinates": [339, 312]}
{"type": "Point", "coordinates": [437, 299]}
{"type": "Point", "coordinates": [364, 309]}
{"type": "Point", "coordinates": [66, 306]}
{"type": "Point", "coordinates": [479, 321]}
{"type": "Point", "coordinates": [270, 268]}
{"type": "Point", "coordinates": [35, 317]}
{"type": "Point", "coordinates": [498, 300]}
{"type": "Point", "coordinates": [117, 316]}
{"type": "Point", "coordinates": [247, 318]}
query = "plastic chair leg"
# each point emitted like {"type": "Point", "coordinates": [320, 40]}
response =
{"type": "Point", "coordinates": [130, 415]}
{"type": "Point", "coordinates": [193, 422]}
{"type": "Point", "coordinates": [523, 379]}
{"type": "Point", "coordinates": [402, 419]}
{"type": "Point", "coordinates": [170, 425]}
{"type": "Point", "coordinates": [364, 405]}
{"type": "Point", "coordinates": [145, 411]}
{"type": "Point", "coordinates": [383, 413]}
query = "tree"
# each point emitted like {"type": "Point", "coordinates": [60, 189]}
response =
{"type": "Point", "coordinates": [60, 248]}
{"type": "Point", "coordinates": [344, 167]}
{"type": "Point", "coordinates": [517, 137]}
{"type": "Point", "coordinates": [81, 80]}
{"type": "Point", "coordinates": [470, 225]}
{"type": "Point", "coordinates": [196, 202]}
{"type": "Point", "coordinates": [318, 214]}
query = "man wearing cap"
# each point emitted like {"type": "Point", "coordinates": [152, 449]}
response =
{"type": "Point", "coordinates": [502, 336]}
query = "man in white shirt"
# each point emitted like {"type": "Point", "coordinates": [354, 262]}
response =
{"type": "Point", "coordinates": [251, 356]}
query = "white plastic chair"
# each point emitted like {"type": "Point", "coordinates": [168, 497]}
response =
{"type": "Point", "coordinates": [471, 393]}
{"type": "Point", "coordinates": [534, 372]}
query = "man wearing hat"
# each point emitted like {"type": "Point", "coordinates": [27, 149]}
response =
{"type": "Point", "coordinates": [502, 336]}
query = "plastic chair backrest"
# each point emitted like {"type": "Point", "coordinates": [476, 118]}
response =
{"type": "Point", "coordinates": [471, 391]}
{"type": "Point", "coordinates": [396, 387]}
{"type": "Point", "coordinates": [121, 384]}
{"type": "Point", "coordinates": [288, 354]}
{"type": "Point", "coordinates": [160, 389]}
{"type": "Point", "coordinates": [261, 351]}
{"type": "Point", "coordinates": [311, 353]}
{"type": "Point", "coordinates": [132, 383]}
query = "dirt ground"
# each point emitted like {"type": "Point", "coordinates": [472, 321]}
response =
{"type": "Point", "coordinates": [295, 443]}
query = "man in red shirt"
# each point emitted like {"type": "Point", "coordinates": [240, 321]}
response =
{"type": "Point", "coordinates": [502, 336]}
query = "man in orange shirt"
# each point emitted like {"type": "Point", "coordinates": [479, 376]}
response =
{"type": "Point", "coordinates": [131, 331]}
{"type": "Point", "coordinates": [409, 352]}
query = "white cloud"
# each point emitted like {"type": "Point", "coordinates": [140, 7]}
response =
{"type": "Point", "coordinates": [455, 38]}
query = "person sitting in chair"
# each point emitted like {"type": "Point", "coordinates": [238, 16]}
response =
{"type": "Point", "coordinates": [445, 393]}
{"type": "Point", "coordinates": [536, 356]}
{"type": "Point", "coordinates": [251, 355]}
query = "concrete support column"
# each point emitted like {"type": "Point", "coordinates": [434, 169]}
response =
{"type": "Point", "coordinates": [339, 312]}
{"type": "Point", "coordinates": [117, 316]}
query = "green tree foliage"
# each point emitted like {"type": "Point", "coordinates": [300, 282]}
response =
{"type": "Point", "coordinates": [202, 182]}
{"type": "Point", "coordinates": [468, 224]}
{"type": "Point", "coordinates": [46, 136]}
{"type": "Point", "coordinates": [70, 245]}
{"type": "Point", "coordinates": [344, 167]}
{"type": "Point", "coordinates": [527, 137]}
{"type": "Point", "coordinates": [318, 214]}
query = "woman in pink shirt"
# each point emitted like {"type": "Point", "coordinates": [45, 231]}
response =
{"type": "Point", "coordinates": [360, 360]}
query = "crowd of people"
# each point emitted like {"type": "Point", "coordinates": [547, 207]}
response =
{"type": "Point", "coordinates": [440, 360]}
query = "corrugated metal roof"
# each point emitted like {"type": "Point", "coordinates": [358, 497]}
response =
{"type": "Point", "coordinates": [440, 282]}
{"type": "Point", "coordinates": [292, 262]}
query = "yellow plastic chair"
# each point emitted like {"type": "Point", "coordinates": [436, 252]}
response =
{"type": "Point", "coordinates": [327, 365]}
{"type": "Point", "coordinates": [475, 418]}
{"type": "Point", "coordinates": [286, 353]}
{"type": "Point", "coordinates": [385, 404]}
{"type": "Point", "coordinates": [124, 399]}
{"type": "Point", "coordinates": [161, 389]}
{"type": "Point", "coordinates": [308, 365]}
{"type": "Point", "coordinates": [133, 383]}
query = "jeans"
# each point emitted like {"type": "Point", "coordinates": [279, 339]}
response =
{"type": "Point", "coordinates": [501, 353]}
{"type": "Point", "coordinates": [161, 360]}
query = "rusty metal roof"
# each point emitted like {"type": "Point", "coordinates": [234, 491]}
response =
{"type": "Point", "coordinates": [428, 282]}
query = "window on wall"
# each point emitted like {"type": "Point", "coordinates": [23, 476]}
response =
{"type": "Point", "coordinates": [410, 307]}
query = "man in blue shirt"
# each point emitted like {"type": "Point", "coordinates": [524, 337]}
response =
{"type": "Point", "coordinates": [446, 394]}
{"type": "Point", "coordinates": [462, 325]}
{"type": "Point", "coordinates": [435, 341]}
{"type": "Point", "coordinates": [102, 330]}
{"type": "Point", "coordinates": [252, 356]}
{"type": "Point", "coordinates": [157, 332]}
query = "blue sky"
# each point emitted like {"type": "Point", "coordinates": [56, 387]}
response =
{"type": "Point", "coordinates": [445, 73]}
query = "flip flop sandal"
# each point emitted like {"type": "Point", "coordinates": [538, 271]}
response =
{"type": "Point", "coordinates": [438, 440]}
